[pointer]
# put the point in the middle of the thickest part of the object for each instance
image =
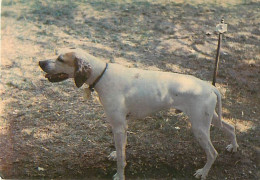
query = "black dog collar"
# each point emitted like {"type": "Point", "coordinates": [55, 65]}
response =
{"type": "Point", "coordinates": [92, 86]}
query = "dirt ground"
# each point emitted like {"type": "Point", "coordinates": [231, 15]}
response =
{"type": "Point", "coordinates": [49, 131]}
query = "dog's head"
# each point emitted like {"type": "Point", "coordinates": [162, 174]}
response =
{"type": "Point", "coordinates": [66, 65]}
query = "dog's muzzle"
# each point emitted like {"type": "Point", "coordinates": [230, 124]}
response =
{"type": "Point", "coordinates": [52, 77]}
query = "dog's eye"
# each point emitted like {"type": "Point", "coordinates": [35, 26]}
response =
{"type": "Point", "coordinates": [60, 59]}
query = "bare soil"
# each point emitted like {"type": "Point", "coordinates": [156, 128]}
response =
{"type": "Point", "coordinates": [48, 131]}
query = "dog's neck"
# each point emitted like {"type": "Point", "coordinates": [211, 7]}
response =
{"type": "Point", "coordinates": [92, 86]}
{"type": "Point", "coordinates": [97, 67]}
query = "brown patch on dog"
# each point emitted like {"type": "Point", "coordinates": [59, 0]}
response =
{"type": "Point", "coordinates": [82, 71]}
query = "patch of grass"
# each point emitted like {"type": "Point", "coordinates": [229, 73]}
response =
{"type": "Point", "coordinates": [57, 9]}
{"type": "Point", "coordinates": [8, 14]}
{"type": "Point", "coordinates": [8, 2]}
{"type": "Point", "coordinates": [48, 12]}
{"type": "Point", "coordinates": [13, 2]}
{"type": "Point", "coordinates": [132, 31]}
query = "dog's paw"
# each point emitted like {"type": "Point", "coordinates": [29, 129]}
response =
{"type": "Point", "coordinates": [118, 177]}
{"type": "Point", "coordinates": [115, 177]}
{"type": "Point", "coordinates": [199, 174]}
{"type": "Point", "coordinates": [112, 156]}
{"type": "Point", "coordinates": [231, 148]}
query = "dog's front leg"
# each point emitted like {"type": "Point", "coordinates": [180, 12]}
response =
{"type": "Point", "coordinates": [120, 138]}
{"type": "Point", "coordinates": [120, 143]}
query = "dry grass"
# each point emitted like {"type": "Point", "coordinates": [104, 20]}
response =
{"type": "Point", "coordinates": [50, 131]}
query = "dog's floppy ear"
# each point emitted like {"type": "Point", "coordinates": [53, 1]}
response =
{"type": "Point", "coordinates": [82, 72]}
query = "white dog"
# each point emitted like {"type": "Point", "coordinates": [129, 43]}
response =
{"type": "Point", "coordinates": [135, 93]}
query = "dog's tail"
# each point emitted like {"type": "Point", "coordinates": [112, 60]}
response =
{"type": "Point", "coordinates": [216, 91]}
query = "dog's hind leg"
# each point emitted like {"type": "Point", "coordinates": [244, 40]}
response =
{"type": "Point", "coordinates": [205, 142]}
{"type": "Point", "coordinates": [229, 131]}
{"type": "Point", "coordinates": [200, 118]}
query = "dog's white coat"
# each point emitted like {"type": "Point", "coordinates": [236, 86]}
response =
{"type": "Point", "coordinates": [135, 93]}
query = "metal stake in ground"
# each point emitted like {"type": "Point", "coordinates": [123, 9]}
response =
{"type": "Point", "coordinates": [221, 28]}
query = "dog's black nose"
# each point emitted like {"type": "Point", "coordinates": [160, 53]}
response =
{"type": "Point", "coordinates": [42, 64]}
